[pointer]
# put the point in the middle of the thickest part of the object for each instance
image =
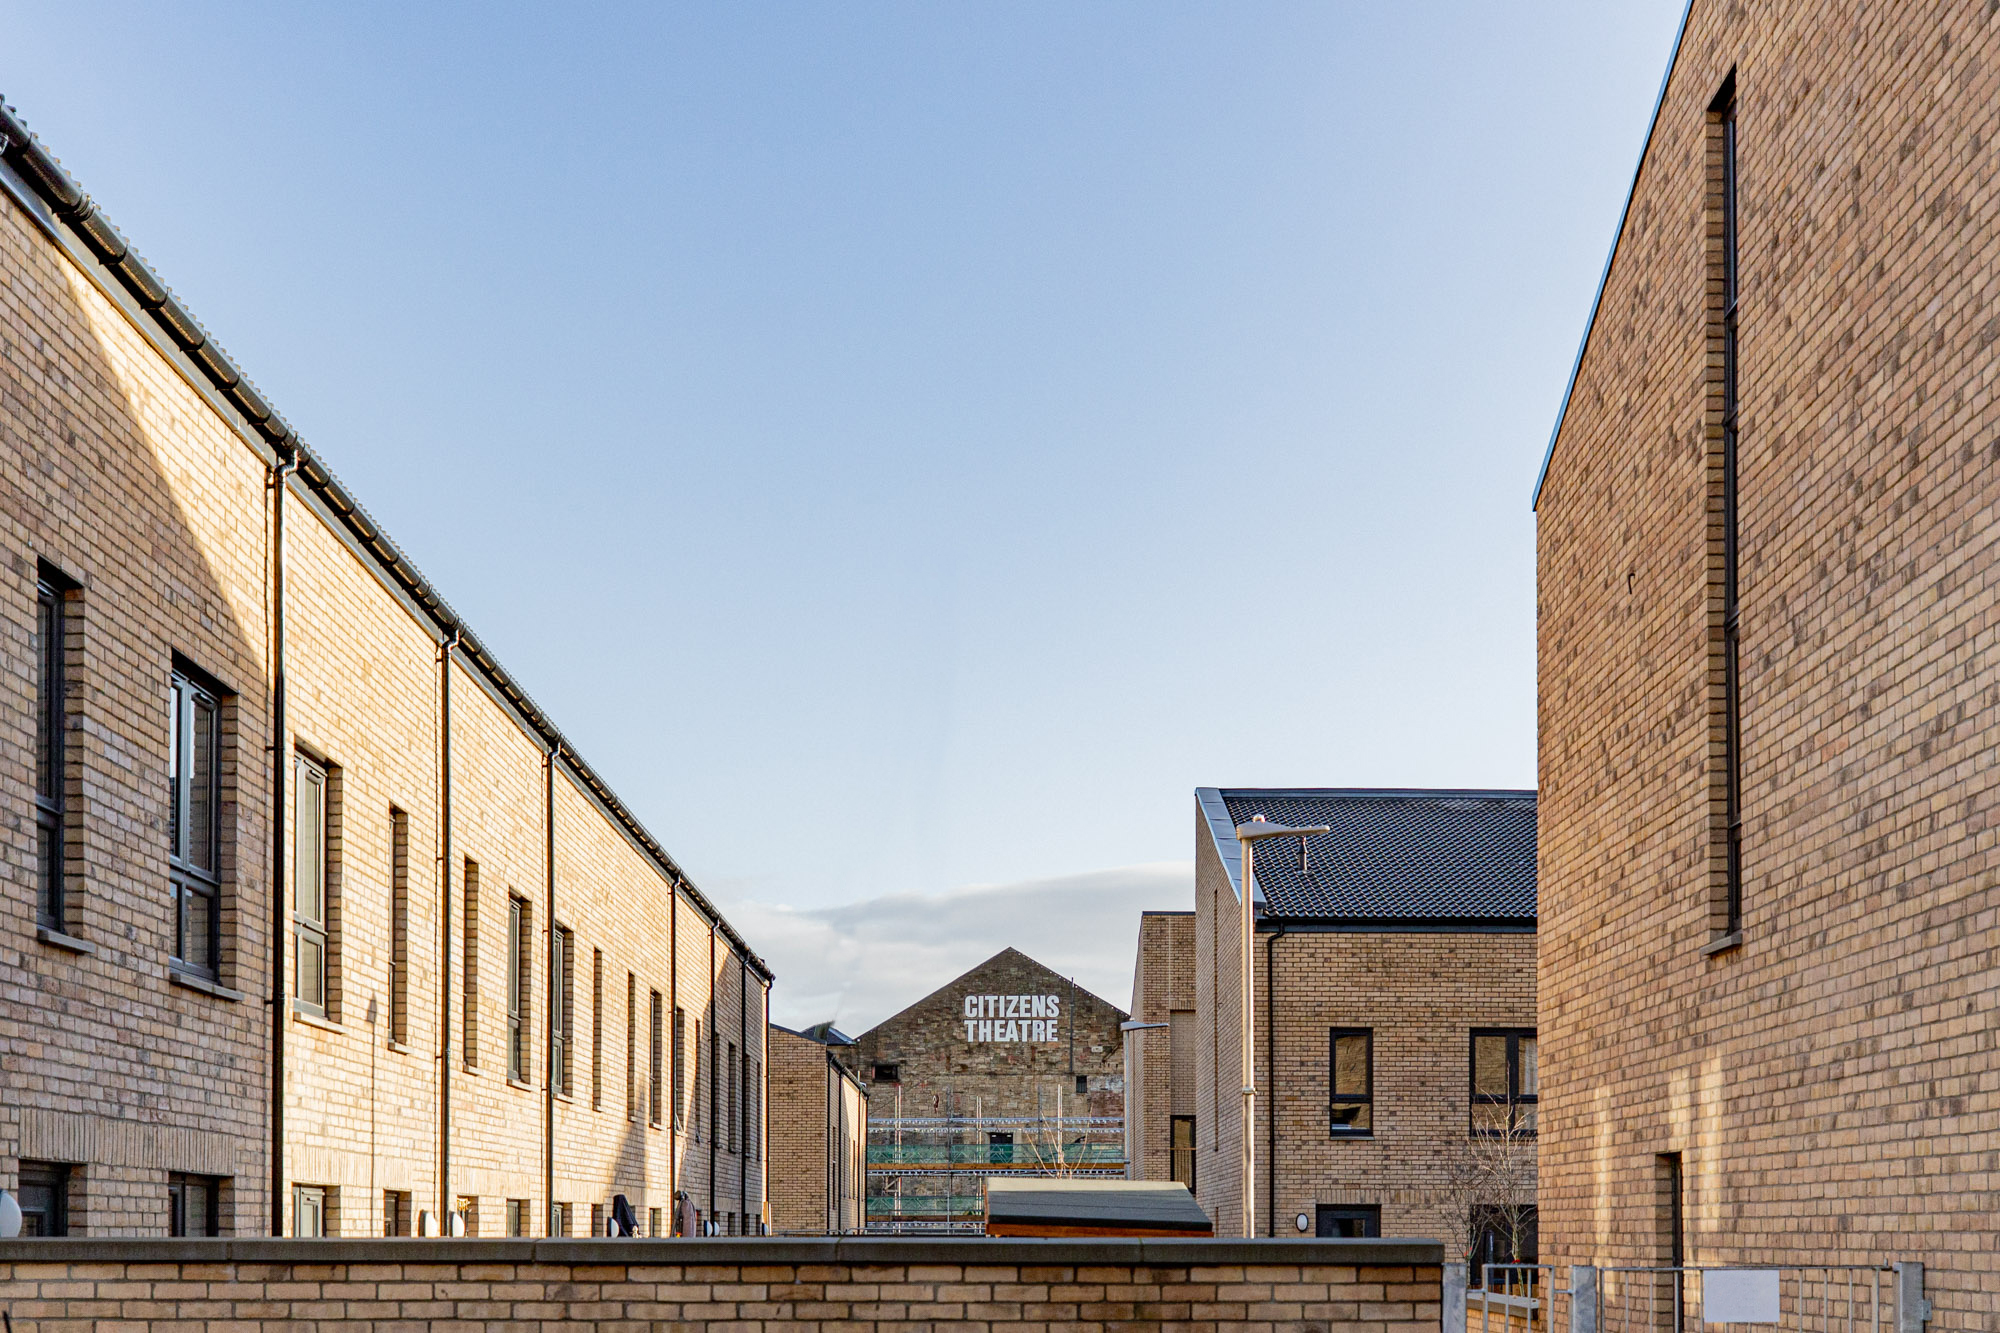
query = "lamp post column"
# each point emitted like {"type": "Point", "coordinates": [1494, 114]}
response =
{"type": "Point", "coordinates": [1249, 1000]}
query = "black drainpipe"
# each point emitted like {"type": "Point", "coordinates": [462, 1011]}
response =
{"type": "Point", "coordinates": [444, 915]}
{"type": "Point", "coordinates": [282, 469]}
{"type": "Point", "coordinates": [714, 1084]}
{"type": "Point", "coordinates": [555, 1000]}
{"type": "Point", "coordinates": [1271, 1075]}
{"type": "Point", "coordinates": [674, 1061]}
{"type": "Point", "coordinates": [742, 1126]}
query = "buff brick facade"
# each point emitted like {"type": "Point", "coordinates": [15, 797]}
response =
{"type": "Point", "coordinates": [1821, 1082]}
{"type": "Point", "coordinates": [141, 491]}
{"type": "Point", "coordinates": [819, 1139]}
{"type": "Point", "coordinates": [1419, 987]}
{"type": "Point", "coordinates": [1157, 1086]}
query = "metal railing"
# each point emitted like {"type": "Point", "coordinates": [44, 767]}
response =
{"type": "Point", "coordinates": [1514, 1298]}
{"type": "Point", "coordinates": [1833, 1298]}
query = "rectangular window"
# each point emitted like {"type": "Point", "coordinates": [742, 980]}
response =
{"type": "Point", "coordinates": [466, 1214]}
{"type": "Point", "coordinates": [520, 959]}
{"type": "Point", "coordinates": [1000, 1145]}
{"type": "Point", "coordinates": [732, 1080]}
{"type": "Point", "coordinates": [1181, 1145]}
{"type": "Point", "coordinates": [1348, 1220]}
{"type": "Point", "coordinates": [395, 1212]}
{"type": "Point", "coordinates": [653, 1222]}
{"type": "Point", "coordinates": [714, 1087]}
{"type": "Point", "coordinates": [695, 1046]}
{"type": "Point", "coordinates": [657, 1069]}
{"type": "Point", "coordinates": [517, 1217]}
{"type": "Point", "coordinates": [194, 1205]}
{"type": "Point", "coordinates": [888, 1074]}
{"type": "Point", "coordinates": [1723, 114]}
{"type": "Point", "coordinates": [399, 931]}
{"type": "Point", "coordinates": [1505, 1081]}
{"type": "Point", "coordinates": [309, 896]}
{"type": "Point", "coordinates": [597, 1219]}
{"type": "Point", "coordinates": [597, 1029]}
{"type": "Point", "coordinates": [559, 1214]}
{"type": "Point", "coordinates": [631, 1047]}
{"type": "Point", "coordinates": [194, 820]}
{"type": "Point", "coordinates": [752, 1098]}
{"type": "Point", "coordinates": [1351, 1082]}
{"type": "Point", "coordinates": [562, 1007]}
{"type": "Point", "coordinates": [52, 630]}
{"type": "Point", "coordinates": [680, 1069]}
{"type": "Point", "coordinates": [44, 1198]}
{"type": "Point", "coordinates": [471, 931]}
{"type": "Point", "coordinates": [309, 1211]}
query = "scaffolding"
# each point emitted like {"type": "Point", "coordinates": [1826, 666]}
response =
{"type": "Point", "coordinates": [928, 1173]}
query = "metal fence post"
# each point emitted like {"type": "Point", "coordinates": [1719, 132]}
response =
{"type": "Point", "coordinates": [1912, 1310]}
{"type": "Point", "coordinates": [1582, 1298]}
{"type": "Point", "coordinates": [1454, 1298]}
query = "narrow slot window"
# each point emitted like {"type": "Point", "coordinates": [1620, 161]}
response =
{"type": "Point", "coordinates": [1732, 682]}
{"type": "Point", "coordinates": [470, 925]}
{"type": "Point", "coordinates": [399, 931]}
{"type": "Point", "coordinates": [631, 1047]}
{"type": "Point", "coordinates": [194, 866]}
{"type": "Point", "coordinates": [597, 1029]}
{"type": "Point", "coordinates": [680, 1069]}
{"type": "Point", "coordinates": [520, 961]}
{"type": "Point", "coordinates": [52, 628]}
{"type": "Point", "coordinates": [656, 1103]}
{"type": "Point", "coordinates": [562, 1007]}
{"type": "Point", "coordinates": [309, 915]}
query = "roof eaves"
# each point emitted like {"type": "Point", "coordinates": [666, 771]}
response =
{"type": "Point", "coordinates": [1222, 829]}
{"type": "Point", "coordinates": [79, 214]}
{"type": "Point", "coordinates": [1583, 344]}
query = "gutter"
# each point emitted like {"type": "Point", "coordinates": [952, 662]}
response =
{"type": "Point", "coordinates": [79, 214]}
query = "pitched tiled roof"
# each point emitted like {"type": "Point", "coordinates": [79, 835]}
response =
{"type": "Point", "coordinates": [1430, 857]}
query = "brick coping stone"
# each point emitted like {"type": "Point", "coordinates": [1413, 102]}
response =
{"type": "Point", "coordinates": [746, 1251]}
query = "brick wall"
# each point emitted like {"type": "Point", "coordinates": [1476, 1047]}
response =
{"type": "Point", "coordinates": [1831, 1084]}
{"type": "Point", "coordinates": [123, 472]}
{"type": "Point", "coordinates": [865, 1286]}
{"type": "Point", "coordinates": [1162, 984]}
{"type": "Point", "coordinates": [819, 1130]}
{"type": "Point", "coordinates": [1420, 992]}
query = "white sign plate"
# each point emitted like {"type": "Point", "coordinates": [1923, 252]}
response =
{"type": "Point", "coordinates": [1739, 1296]}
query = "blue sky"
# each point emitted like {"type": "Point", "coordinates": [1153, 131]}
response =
{"type": "Point", "coordinates": [944, 434]}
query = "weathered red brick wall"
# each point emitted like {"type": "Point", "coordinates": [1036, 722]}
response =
{"type": "Point", "coordinates": [1832, 1084]}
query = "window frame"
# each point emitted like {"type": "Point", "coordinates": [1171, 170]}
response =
{"type": "Point", "coordinates": [1335, 1099]}
{"type": "Point", "coordinates": [680, 1070]}
{"type": "Point", "coordinates": [656, 1052]}
{"type": "Point", "coordinates": [52, 629]}
{"type": "Point", "coordinates": [1178, 1153]}
{"type": "Point", "coordinates": [316, 1194]}
{"type": "Point", "coordinates": [398, 1213]}
{"type": "Point", "coordinates": [520, 965]}
{"type": "Point", "coordinates": [178, 1183]}
{"type": "Point", "coordinates": [399, 926]}
{"type": "Point", "coordinates": [188, 880]}
{"type": "Point", "coordinates": [309, 770]}
{"type": "Point", "coordinates": [562, 1006]}
{"type": "Point", "coordinates": [56, 1177]}
{"type": "Point", "coordinates": [1368, 1214]}
{"type": "Point", "coordinates": [1514, 1099]}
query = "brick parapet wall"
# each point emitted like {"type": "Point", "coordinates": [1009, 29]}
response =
{"type": "Point", "coordinates": [974, 1286]}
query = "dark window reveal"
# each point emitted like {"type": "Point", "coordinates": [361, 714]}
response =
{"type": "Point", "coordinates": [194, 1205]}
{"type": "Point", "coordinates": [51, 752]}
{"type": "Point", "coordinates": [1505, 1081]}
{"type": "Point", "coordinates": [194, 827]}
{"type": "Point", "coordinates": [1350, 1082]}
{"type": "Point", "coordinates": [1732, 683]}
{"type": "Point", "coordinates": [1348, 1220]}
{"type": "Point", "coordinates": [520, 958]}
{"type": "Point", "coordinates": [562, 1008]}
{"type": "Point", "coordinates": [1181, 1145]}
{"type": "Point", "coordinates": [1502, 1234]}
{"type": "Point", "coordinates": [44, 1198]}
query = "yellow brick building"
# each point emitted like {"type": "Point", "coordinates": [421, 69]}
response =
{"type": "Point", "coordinates": [1767, 607]}
{"type": "Point", "coordinates": [484, 997]}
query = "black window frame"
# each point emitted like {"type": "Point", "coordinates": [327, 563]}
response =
{"type": "Point", "coordinates": [1369, 1215]}
{"type": "Point", "coordinates": [1724, 108]}
{"type": "Point", "coordinates": [517, 1217]}
{"type": "Point", "coordinates": [399, 927]}
{"type": "Point", "coordinates": [209, 1201]}
{"type": "Point", "coordinates": [1513, 1099]}
{"type": "Point", "coordinates": [55, 1177]}
{"type": "Point", "coordinates": [1363, 1102]}
{"type": "Point", "coordinates": [196, 702]}
{"type": "Point", "coordinates": [53, 595]}
{"type": "Point", "coordinates": [398, 1212]}
{"type": "Point", "coordinates": [656, 1038]}
{"type": "Point", "coordinates": [680, 1070]}
{"type": "Point", "coordinates": [520, 964]}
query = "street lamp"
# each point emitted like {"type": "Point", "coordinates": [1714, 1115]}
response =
{"type": "Point", "coordinates": [1247, 837]}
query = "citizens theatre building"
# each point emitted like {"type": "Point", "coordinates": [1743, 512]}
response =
{"type": "Point", "coordinates": [312, 921]}
{"type": "Point", "coordinates": [1008, 1070]}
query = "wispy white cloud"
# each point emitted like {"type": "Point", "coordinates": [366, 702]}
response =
{"type": "Point", "coordinates": [861, 962]}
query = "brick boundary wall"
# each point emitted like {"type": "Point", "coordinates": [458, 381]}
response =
{"type": "Point", "coordinates": [744, 1286]}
